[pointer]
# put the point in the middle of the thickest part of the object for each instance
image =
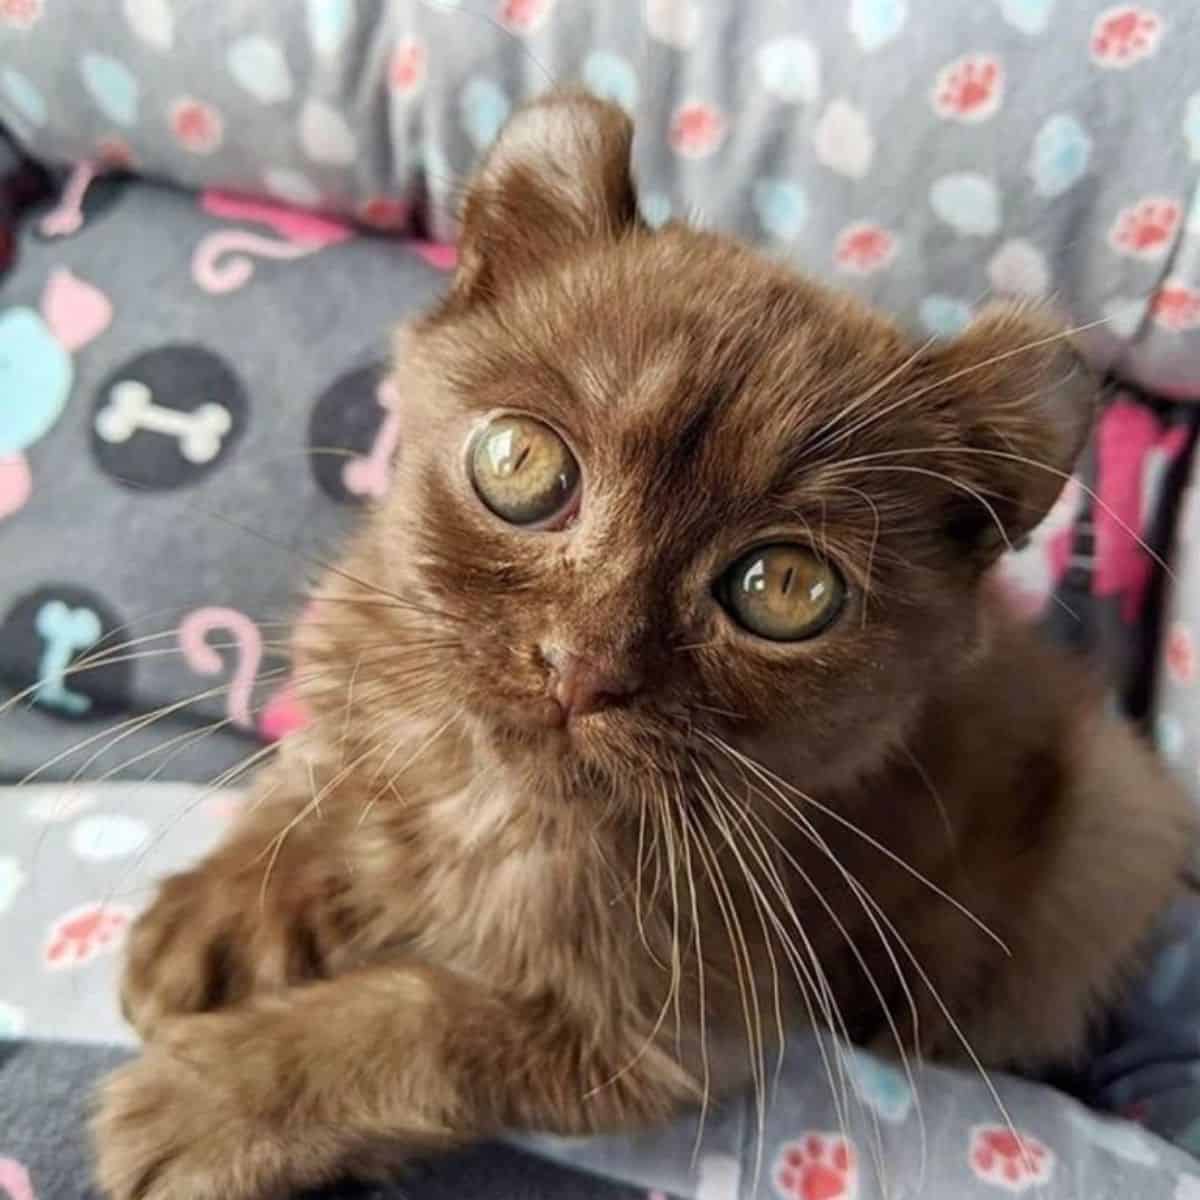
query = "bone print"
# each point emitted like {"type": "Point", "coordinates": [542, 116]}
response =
{"type": "Point", "coordinates": [131, 408]}
{"type": "Point", "coordinates": [65, 632]}
{"type": "Point", "coordinates": [67, 217]}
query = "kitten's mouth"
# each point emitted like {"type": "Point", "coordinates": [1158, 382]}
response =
{"type": "Point", "coordinates": [541, 726]}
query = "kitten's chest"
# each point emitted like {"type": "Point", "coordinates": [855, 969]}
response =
{"type": "Point", "coordinates": [505, 898]}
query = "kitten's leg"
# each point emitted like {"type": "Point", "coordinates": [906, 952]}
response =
{"type": "Point", "coordinates": [247, 919]}
{"type": "Point", "coordinates": [366, 1069]}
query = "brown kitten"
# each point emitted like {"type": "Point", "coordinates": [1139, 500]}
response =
{"type": "Point", "coordinates": [667, 672]}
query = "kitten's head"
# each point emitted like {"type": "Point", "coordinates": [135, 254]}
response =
{"type": "Point", "coordinates": [662, 489]}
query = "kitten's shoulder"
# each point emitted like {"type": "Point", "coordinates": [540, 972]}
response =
{"type": "Point", "coordinates": [1028, 729]}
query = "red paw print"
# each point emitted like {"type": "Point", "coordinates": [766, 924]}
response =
{"type": "Point", "coordinates": [863, 248]}
{"type": "Point", "coordinates": [384, 212]}
{"type": "Point", "coordinates": [1124, 35]}
{"type": "Point", "coordinates": [1176, 307]}
{"type": "Point", "coordinates": [406, 71]}
{"type": "Point", "coordinates": [114, 153]}
{"type": "Point", "coordinates": [969, 89]}
{"type": "Point", "coordinates": [21, 13]}
{"type": "Point", "coordinates": [524, 16]}
{"type": "Point", "coordinates": [1181, 654]}
{"type": "Point", "coordinates": [1013, 1162]}
{"type": "Point", "coordinates": [1145, 229]}
{"type": "Point", "coordinates": [85, 933]}
{"type": "Point", "coordinates": [197, 126]}
{"type": "Point", "coordinates": [820, 1166]}
{"type": "Point", "coordinates": [697, 130]}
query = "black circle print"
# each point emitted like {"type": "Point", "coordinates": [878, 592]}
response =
{"type": "Point", "coordinates": [352, 435]}
{"type": "Point", "coordinates": [168, 417]}
{"type": "Point", "coordinates": [46, 636]}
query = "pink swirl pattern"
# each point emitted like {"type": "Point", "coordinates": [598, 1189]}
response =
{"type": "Point", "coordinates": [193, 635]}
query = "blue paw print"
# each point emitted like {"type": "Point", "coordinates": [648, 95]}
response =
{"type": "Point", "coordinates": [875, 22]}
{"type": "Point", "coordinates": [1029, 16]}
{"type": "Point", "coordinates": [945, 316]}
{"type": "Point", "coordinates": [883, 1088]}
{"type": "Point", "coordinates": [781, 207]}
{"type": "Point", "coordinates": [968, 202]}
{"type": "Point", "coordinates": [329, 23]}
{"type": "Point", "coordinates": [610, 77]}
{"type": "Point", "coordinates": [484, 108]}
{"type": "Point", "coordinates": [790, 69]}
{"type": "Point", "coordinates": [655, 208]}
{"type": "Point", "coordinates": [23, 96]}
{"type": "Point", "coordinates": [12, 1022]}
{"type": "Point", "coordinates": [1061, 152]}
{"type": "Point", "coordinates": [112, 85]}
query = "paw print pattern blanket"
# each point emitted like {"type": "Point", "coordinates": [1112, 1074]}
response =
{"type": "Point", "coordinates": [925, 154]}
{"type": "Point", "coordinates": [78, 862]}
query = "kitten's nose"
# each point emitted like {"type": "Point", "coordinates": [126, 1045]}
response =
{"type": "Point", "coordinates": [583, 685]}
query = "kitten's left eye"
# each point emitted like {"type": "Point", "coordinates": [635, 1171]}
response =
{"type": "Point", "coordinates": [784, 592]}
{"type": "Point", "coordinates": [522, 470]}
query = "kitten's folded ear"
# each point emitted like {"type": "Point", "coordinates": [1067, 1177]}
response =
{"type": "Point", "coordinates": [1023, 401]}
{"type": "Point", "coordinates": [557, 176]}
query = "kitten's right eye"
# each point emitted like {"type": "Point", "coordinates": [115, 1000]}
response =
{"type": "Point", "coordinates": [522, 470]}
{"type": "Point", "coordinates": [783, 592]}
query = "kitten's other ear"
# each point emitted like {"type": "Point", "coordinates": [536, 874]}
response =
{"type": "Point", "coordinates": [557, 176]}
{"type": "Point", "coordinates": [1023, 401]}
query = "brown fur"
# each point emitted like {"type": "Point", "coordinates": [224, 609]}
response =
{"type": "Point", "coordinates": [442, 917]}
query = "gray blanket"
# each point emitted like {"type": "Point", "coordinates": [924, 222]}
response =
{"type": "Point", "coordinates": [44, 1090]}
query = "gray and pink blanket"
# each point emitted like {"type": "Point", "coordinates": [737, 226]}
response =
{"type": "Point", "coordinates": [248, 196]}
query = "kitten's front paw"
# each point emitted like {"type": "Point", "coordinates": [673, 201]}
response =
{"type": "Point", "coordinates": [167, 1129]}
{"type": "Point", "coordinates": [179, 956]}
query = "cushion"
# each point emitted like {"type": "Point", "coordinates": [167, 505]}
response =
{"type": "Point", "coordinates": [191, 417]}
{"type": "Point", "coordinates": [927, 155]}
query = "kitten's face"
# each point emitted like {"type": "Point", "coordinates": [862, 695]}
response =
{"type": "Point", "coordinates": [718, 499]}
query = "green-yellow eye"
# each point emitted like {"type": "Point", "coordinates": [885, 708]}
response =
{"type": "Point", "coordinates": [782, 592]}
{"type": "Point", "coordinates": [522, 470]}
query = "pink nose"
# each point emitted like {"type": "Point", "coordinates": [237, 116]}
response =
{"type": "Point", "coordinates": [582, 686]}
